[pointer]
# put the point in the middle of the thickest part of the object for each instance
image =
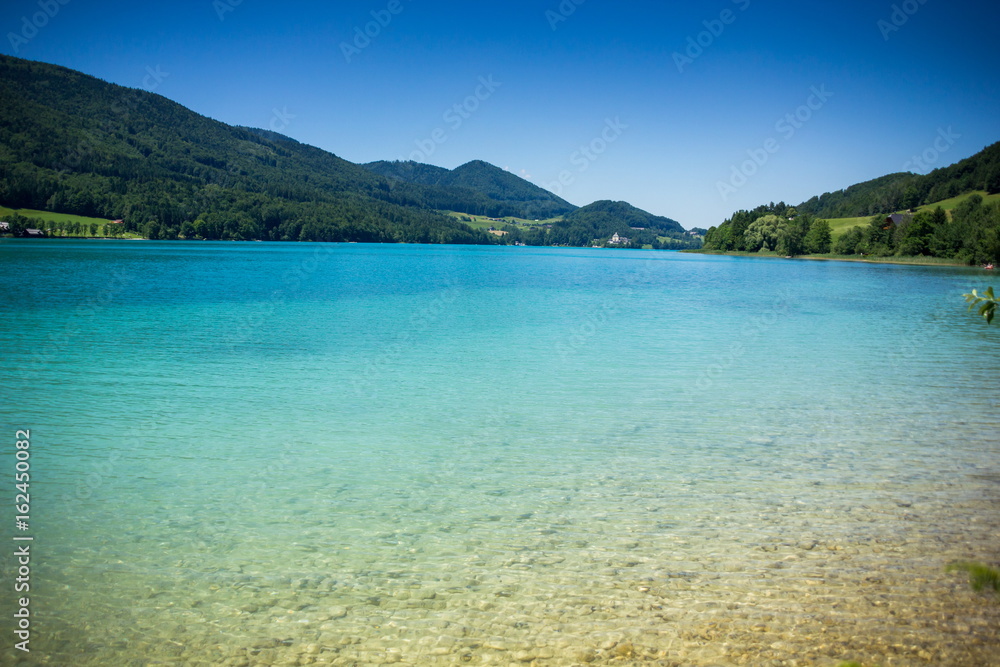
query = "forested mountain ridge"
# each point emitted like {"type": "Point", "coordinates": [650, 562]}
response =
{"type": "Point", "coordinates": [621, 217]}
{"type": "Point", "coordinates": [75, 144]}
{"type": "Point", "coordinates": [905, 190]}
{"type": "Point", "coordinates": [879, 194]}
{"type": "Point", "coordinates": [476, 187]}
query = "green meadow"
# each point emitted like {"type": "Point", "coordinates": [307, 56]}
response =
{"type": "Point", "coordinates": [58, 218]}
{"type": "Point", "coordinates": [839, 226]}
{"type": "Point", "coordinates": [60, 221]}
{"type": "Point", "coordinates": [949, 204]}
{"type": "Point", "coordinates": [485, 222]}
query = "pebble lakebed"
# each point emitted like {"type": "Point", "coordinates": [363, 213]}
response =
{"type": "Point", "coordinates": [773, 581]}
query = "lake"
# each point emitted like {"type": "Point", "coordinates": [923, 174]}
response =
{"type": "Point", "coordinates": [294, 454]}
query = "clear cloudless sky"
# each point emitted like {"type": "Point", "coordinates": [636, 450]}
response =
{"type": "Point", "coordinates": [923, 82]}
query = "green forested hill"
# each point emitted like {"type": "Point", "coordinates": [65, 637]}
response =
{"type": "Point", "coordinates": [597, 222]}
{"type": "Point", "coordinates": [410, 172]}
{"type": "Point", "coordinates": [619, 216]}
{"type": "Point", "coordinates": [905, 190]}
{"type": "Point", "coordinates": [863, 199]}
{"type": "Point", "coordinates": [74, 144]}
{"type": "Point", "coordinates": [971, 234]}
{"type": "Point", "coordinates": [476, 187]}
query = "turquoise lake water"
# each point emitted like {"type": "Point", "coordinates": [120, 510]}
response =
{"type": "Point", "coordinates": [291, 454]}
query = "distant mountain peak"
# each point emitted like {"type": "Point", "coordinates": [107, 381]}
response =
{"type": "Point", "coordinates": [624, 215]}
{"type": "Point", "coordinates": [478, 187]}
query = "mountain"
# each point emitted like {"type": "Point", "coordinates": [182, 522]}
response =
{"type": "Point", "coordinates": [620, 217]}
{"type": "Point", "coordinates": [410, 172]}
{"type": "Point", "coordinates": [602, 219]}
{"type": "Point", "coordinates": [476, 187]}
{"type": "Point", "coordinates": [75, 144]}
{"type": "Point", "coordinates": [598, 222]}
{"type": "Point", "coordinates": [906, 190]}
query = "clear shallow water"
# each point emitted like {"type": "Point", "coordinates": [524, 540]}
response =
{"type": "Point", "coordinates": [345, 454]}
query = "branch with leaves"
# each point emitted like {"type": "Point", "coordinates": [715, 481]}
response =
{"type": "Point", "coordinates": [986, 302]}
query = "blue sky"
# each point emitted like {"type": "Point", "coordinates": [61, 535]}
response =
{"type": "Point", "coordinates": [690, 111]}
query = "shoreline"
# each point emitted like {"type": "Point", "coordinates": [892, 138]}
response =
{"type": "Point", "coordinates": [901, 261]}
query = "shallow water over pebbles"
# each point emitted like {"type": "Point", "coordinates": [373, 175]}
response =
{"type": "Point", "coordinates": [256, 454]}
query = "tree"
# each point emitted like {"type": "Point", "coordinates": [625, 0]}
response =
{"type": "Point", "coordinates": [969, 206]}
{"type": "Point", "coordinates": [792, 236]}
{"type": "Point", "coordinates": [763, 233]}
{"type": "Point", "coordinates": [876, 238]}
{"type": "Point", "coordinates": [992, 184]}
{"type": "Point", "coordinates": [151, 230]}
{"type": "Point", "coordinates": [18, 223]}
{"type": "Point", "coordinates": [914, 236]}
{"type": "Point", "coordinates": [819, 238]}
{"type": "Point", "coordinates": [849, 242]}
{"type": "Point", "coordinates": [911, 197]}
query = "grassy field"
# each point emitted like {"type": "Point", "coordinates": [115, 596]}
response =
{"type": "Point", "coordinates": [64, 218]}
{"type": "Point", "coordinates": [839, 226]}
{"type": "Point", "coordinates": [58, 218]}
{"type": "Point", "coordinates": [949, 204]}
{"type": "Point", "coordinates": [484, 222]}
